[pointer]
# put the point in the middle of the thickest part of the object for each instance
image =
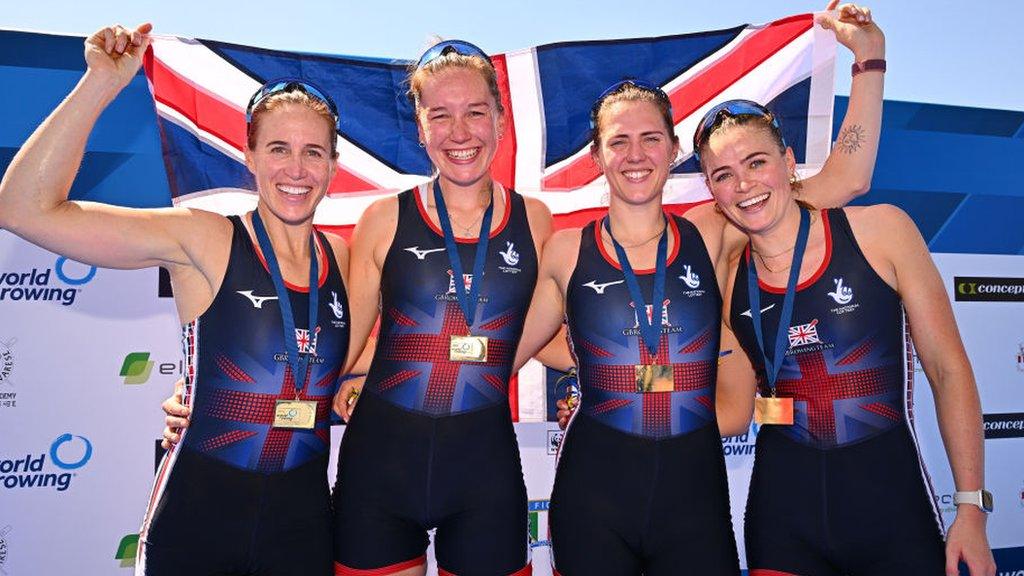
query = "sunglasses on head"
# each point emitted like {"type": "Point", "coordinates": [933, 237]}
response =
{"type": "Point", "coordinates": [289, 85]}
{"type": "Point", "coordinates": [731, 108]}
{"type": "Point", "coordinates": [642, 85]}
{"type": "Point", "coordinates": [460, 47]}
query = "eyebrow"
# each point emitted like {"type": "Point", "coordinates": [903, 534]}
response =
{"type": "Point", "coordinates": [283, 143]}
{"type": "Point", "coordinates": [746, 159]}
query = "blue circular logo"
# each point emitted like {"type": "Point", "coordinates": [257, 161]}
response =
{"type": "Point", "coordinates": [72, 281]}
{"type": "Point", "coordinates": [70, 465]}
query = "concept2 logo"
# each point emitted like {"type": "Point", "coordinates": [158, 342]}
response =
{"type": "Point", "coordinates": [37, 285]}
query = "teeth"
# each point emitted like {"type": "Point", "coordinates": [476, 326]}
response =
{"type": "Point", "coordinates": [636, 175]}
{"type": "Point", "coordinates": [751, 201]}
{"type": "Point", "coordinates": [463, 154]}
{"type": "Point", "coordinates": [294, 190]}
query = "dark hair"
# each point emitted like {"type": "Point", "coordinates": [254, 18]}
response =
{"type": "Point", "coordinates": [629, 91]}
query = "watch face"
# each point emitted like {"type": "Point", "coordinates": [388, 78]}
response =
{"type": "Point", "coordinates": [986, 500]}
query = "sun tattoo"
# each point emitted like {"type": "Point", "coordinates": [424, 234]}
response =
{"type": "Point", "coordinates": [850, 139]}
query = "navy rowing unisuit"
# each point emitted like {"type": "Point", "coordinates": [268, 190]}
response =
{"type": "Point", "coordinates": [258, 491]}
{"type": "Point", "coordinates": [841, 491]}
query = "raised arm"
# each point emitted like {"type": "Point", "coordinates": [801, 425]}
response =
{"type": "Point", "coordinates": [33, 194]}
{"type": "Point", "coordinates": [937, 340]}
{"type": "Point", "coordinates": [848, 169]}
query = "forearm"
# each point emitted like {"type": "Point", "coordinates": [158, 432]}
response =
{"type": "Point", "coordinates": [555, 354]}
{"type": "Point", "coordinates": [41, 173]}
{"type": "Point", "coordinates": [958, 409]}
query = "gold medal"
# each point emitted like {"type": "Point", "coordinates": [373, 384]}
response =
{"type": "Point", "coordinates": [295, 414]}
{"type": "Point", "coordinates": [773, 410]}
{"type": "Point", "coordinates": [654, 378]}
{"type": "Point", "coordinates": [468, 349]}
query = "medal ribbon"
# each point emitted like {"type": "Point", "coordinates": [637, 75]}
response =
{"type": "Point", "coordinates": [774, 365]}
{"type": "Point", "coordinates": [650, 331]}
{"type": "Point", "coordinates": [467, 301]}
{"type": "Point", "coordinates": [298, 364]}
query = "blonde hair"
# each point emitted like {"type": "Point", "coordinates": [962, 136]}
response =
{"type": "Point", "coordinates": [297, 98]}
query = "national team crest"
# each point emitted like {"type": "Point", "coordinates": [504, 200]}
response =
{"type": "Point", "coordinates": [804, 334]}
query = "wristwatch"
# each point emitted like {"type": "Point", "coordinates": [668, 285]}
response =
{"type": "Point", "coordinates": [980, 498]}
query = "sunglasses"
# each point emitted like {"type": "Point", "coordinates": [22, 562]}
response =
{"type": "Point", "coordinates": [731, 108]}
{"type": "Point", "coordinates": [460, 47]}
{"type": "Point", "coordinates": [289, 85]}
{"type": "Point", "coordinates": [646, 86]}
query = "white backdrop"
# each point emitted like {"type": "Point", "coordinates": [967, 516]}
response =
{"type": "Point", "coordinates": [89, 437]}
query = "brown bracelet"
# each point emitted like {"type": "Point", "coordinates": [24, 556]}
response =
{"type": "Point", "coordinates": [877, 64]}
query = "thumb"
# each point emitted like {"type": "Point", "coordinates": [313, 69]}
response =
{"type": "Point", "coordinates": [832, 5]}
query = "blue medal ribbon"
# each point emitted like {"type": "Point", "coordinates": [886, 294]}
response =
{"type": "Point", "coordinates": [298, 364]}
{"type": "Point", "coordinates": [773, 366]}
{"type": "Point", "coordinates": [650, 331]}
{"type": "Point", "coordinates": [467, 301]}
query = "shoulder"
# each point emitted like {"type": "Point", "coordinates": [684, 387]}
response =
{"type": "Point", "coordinates": [536, 210]}
{"type": "Point", "coordinates": [878, 219]}
{"type": "Point", "coordinates": [380, 215]}
{"type": "Point", "coordinates": [565, 241]}
{"type": "Point", "coordinates": [340, 248]}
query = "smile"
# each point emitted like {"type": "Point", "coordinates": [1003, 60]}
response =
{"type": "Point", "coordinates": [636, 175]}
{"type": "Point", "coordinates": [462, 155]}
{"type": "Point", "coordinates": [755, 200]}
{"type": "Point", "coordinates": [294, 190]}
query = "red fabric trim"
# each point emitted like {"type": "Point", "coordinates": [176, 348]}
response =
{"type": "Point", "coordinates": [437, 230]}
{"type": "Point", "coordinates": [673, 230]}
{"type": "Point", "coordinates": [321, 259]}
{"type": "Point", "coordinates": [342, 570]}
{"type": "Point", "coordinates": [817, 273]}
{"type": "Point", "coordinates": [702, 88]}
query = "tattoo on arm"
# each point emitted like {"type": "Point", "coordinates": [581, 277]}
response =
{"type": "Point", "coordinates": [851, 138]}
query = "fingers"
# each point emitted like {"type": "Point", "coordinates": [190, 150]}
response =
{"type": "Point", "coordinates": [171, 438]}
{"type": "Point", "coordinates": [831, 5]}
{"type": "Point", "coordinates": [117, 40]}
{"type": "Point", "coordinates": [855, 14]}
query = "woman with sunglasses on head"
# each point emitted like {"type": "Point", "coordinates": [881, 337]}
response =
{"type": "Point", "coordinates": [822, 303]}
{"type": "Point", "coordinates": [259, 297]}
{"type": "Point", "coordinates": [452, 265]}
{"type": "Point", "coordinates": [641, 477]}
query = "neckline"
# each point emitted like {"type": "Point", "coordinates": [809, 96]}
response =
{"type": "Point", "coordinates": [422, 189]}
{"type": "Point", "coordinates": [673, 230]}
{"type": "Point", "coordinates": [825, 261]}
{"type": "Point", "coordinates": [321, 258]}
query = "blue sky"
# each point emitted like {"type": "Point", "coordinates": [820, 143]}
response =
{"type": "Point", "coordinates": [946, 52]}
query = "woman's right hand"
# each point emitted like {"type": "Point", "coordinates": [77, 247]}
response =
{"type": "Point", "coordinates": [854, 28]}
{"type": "Point", "coordinates": [116, 52]}
{"type": "Point", "coordinates": [564, 412]}
{"type": "Point", "coordinates": [177, 416]}
{"type": "Point", "coordinates": [347, 396]}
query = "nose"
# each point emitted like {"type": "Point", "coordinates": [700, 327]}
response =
{"type": "Point", "coordinates": [460, 131]}
{"type": "Point", "coordinates": [296, 167]}
{"type": "Point", "coordinates": [635, 152]}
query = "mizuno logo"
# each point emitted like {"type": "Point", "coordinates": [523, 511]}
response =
{"type": "Point", "coordinates": [763, 310]}
{"type": "Point", "coordinates": [599, 288]}
{"type": "Point", "coordinates": [257, 301]}
{"type": "Point", "coordinates": [421, 254]}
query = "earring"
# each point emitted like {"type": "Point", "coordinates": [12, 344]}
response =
{"type": "Point", "coordinates": [793, 179]}
{"type": "Point", "coordinates": [422, 145]}
{"type": "Point", "coordinates": [717, 208]}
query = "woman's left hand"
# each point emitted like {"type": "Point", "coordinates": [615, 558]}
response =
{"type": "Point", "coordinates": [854, 28]}
{"type": "Point", "coordinates": [966, 542]}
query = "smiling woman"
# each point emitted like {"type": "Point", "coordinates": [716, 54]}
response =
{"type": "Point", "coordinates": [261, 369]}
{"type": "Point", "coordinates": [452, 265]}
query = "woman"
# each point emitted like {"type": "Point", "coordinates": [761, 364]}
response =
{"type": "Point", "coordinates": [250, 473]}
{"type": "Point", "coordinates": [452, 265]}
{"type": "Point", "coordinates": [641, 477]}
{"type": "Point", "coordinates": [819, 302]}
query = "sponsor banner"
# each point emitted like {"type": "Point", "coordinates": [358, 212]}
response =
{"type": "Point", "coordinates": [1009, 561]}
{"type": "Point", "coordinates": [1004, 425]}
{"type": "Point", "coordinates": [986, 289]}
{"type": "Point", "coordinates": [50, 469]}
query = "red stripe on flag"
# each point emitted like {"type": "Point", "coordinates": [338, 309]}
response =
{"type": "Point", "coordinates": [503, 168]}
{"type": "Point", "coordinates": [702, 88]}
{"type": "Point", "coordinates": [222, 119]}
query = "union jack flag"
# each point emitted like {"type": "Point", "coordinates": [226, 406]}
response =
{"type": "Point", "coordinates": [201, 88]}
{"type": "Point", "coordinates": [804, 334]}
{"type": "Point", "coordinates": [306, 346]}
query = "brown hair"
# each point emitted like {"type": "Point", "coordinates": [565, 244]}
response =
{"type": "Point", "coordinates": [763, 124]}
{"type": "Point", "coordinates": [630, 92]}
{"type": "Point", "coordinates": [297, 98]}
{"type": "Point", "coordinates": [451, 59]}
